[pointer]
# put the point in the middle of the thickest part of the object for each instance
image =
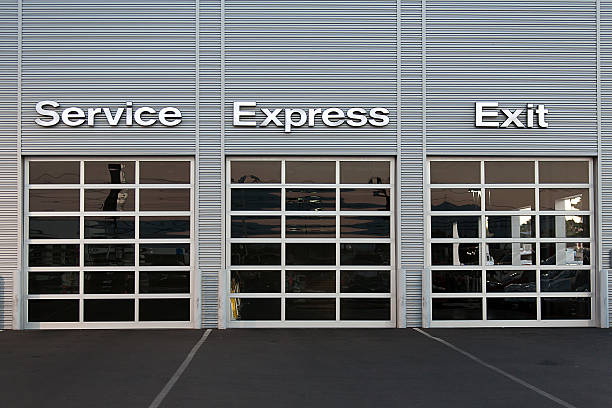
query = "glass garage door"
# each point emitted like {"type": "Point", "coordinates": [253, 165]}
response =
{"type": "Point", "coordinates": [510, 242]}
{"type": "Point", "coordinates": [108, 242]}
{"type": "Point", "coordinates": [310, 242]}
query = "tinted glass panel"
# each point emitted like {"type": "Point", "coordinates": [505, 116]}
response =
{"type": "Point", "coordinates": [256, 309]}
{"type": "Point", "coordinates": [511, 281]}
{"type": "Point", "coordinates": [109, 255]}
{"type": "Point", "coordinates": [169, 199]}
{"type": "Point", "coordinates": [54, 200]}
{"type": "Point", "coordinates": [53, 255]}
{"type": "Point", "coordinates": [53, 227]}
{"type": "Point", "coordinates": [53, 310]}
{"type": "Point", "coordinates": [54, 172]}
{"type": "Point", "coordinates": [365, 309]}
{"type": "Point", "coordinates": [109, 282]}
{"type": "Point", "coordinates": [565, 253]}
{"type": "Point", "coordinates": [365, 282]}
{"type": "Point", "coordinates": [256, 227]}
{"type": "Point", "coordinates": [455, 254]}
{"type": "Point", "coordinates": [565, 281]}
{"type": "Point", "coordinates": [310, 281]}
{"type": "Point", "coordinates": [365, 254]}
{"type": "Point", "coordinates": [569, 226]}
{"type": "Point", "coordinates": [163, 310]}
{"type": "Point", "coordinates": [509, 199]}
{"type": "Point", "coordinates": [564, 172]}
{"type": "Point", "coordinates": [172, 172]}
{"type": "Point", "coordinates": [512, 309]}
{"type": "Point", "coordinates": [455, 227]}
{"type": "Point", "coordinates": [109, 200]}
{"type": "Point", "coordinates": [455, 199]}
{"type": "Point", "coordinates": [53, 282]}
{"type": "Point", "coordinates": [310, 254]}
{"type": "Point", "coordinates": [364, 172]}
{"type": "Point", "coordinates": [365, 227]}
{"type": "Point", "coordinates": [256, 254]}
{"type": "Point", "coordinates": [310, 200]}
{"type": "Point", "coordinates": [256, 199]}
{"type": "Point", "coordinates": [509, 172]}
{"type": "Point", "coordinates": [109, 227]}
{"type": "Point", "coordinates": [306, 227]}
{"type": "Point", "coordinates": [256, 171]}
{"type": "Point", "coordinates": [114, 172]}
{"type": "Point", "coordinates": [365, 199]}
{"type": "Point", "coordinates": [566, 308]}
{"type": "Point", "coordinates": [164, 227]}
{"type": "Point", "coordinates": [564, 199]}
{"type": "Point", "coordinates": [256, 282]}
{"type": "Point", "coordinates": [310, 309]}
{"type": "Point", "coordinates": [310, 172]}
{"type": "Point", "coordinates": [457, 309]}
{"type": "Point", "coordinates": [456, 281]}
{"type": "Point", "coordinates": [507, 226]}
{"type": "Point", "coordinates": [164, 282]}
{"type": "Point", "coordinates": [454, 172]}
{"type": "Point", "coordinates": [511, 253]}
{"type": "Point", "coordinates": [109, 310]}
{"type": "Point", "coordinates": [164, 254]}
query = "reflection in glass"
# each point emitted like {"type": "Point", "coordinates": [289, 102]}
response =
{"type": "Point", "coordinates": [53, 227]}
{"type": "Point", "coordinates": [54, 172]}
{"type": "Point", "coordinates": [455, 199]}
{"type": "Point", "coordinates": [564, 199]}
{"type": "Point", "coordinates": [512, 308]}
{"type": "Point", "coordinates": [310, 281]}
{"type": "Point", "coordinates": [364, 172]}
{"type": "Point", "coordinates": [109, 227]}
{"type": "Point", "coordinates": [165, 172]}
{"type": "Point", "coordinates": [109, 254]}
{"type": "Point", "coordinates": [511, 253]}
{"type": "Point", "coordinates": [307, 227]}
{"type": "Point", "coordinates": [164, 254]}
{"type": "Point", "coordinates": [310, 254]}
{"type": "Point", "coordinates": [255, 171]}
{"type": "Point", "coordinates": [256, 199]}
{"type": "Point", "coordinates": [456, 309]}
{"type": "Point", "coordinates": [256, 254]}
{"type": "Point", "coordinates": [109, 282]}
{"type": "Point", "coordinates": [109, 200]}
{"type": "Point", "coordinates": [456, 281]}
{"type": "Point", "coordinates": [365, 309]}
{"type": "Point", "coordinates": [510, 226]}
{"type": "Point", "coordinates": [561, 253]}
{"type": "Point", "coordinates": [310, 199]}
{"type": "Point", "coordinates": [566, 308]}
{"type": "Point", "coordinates": [320, 172]}
{"type": "Point", "coordinates": [454, 172]}
{"type": "Point", "coordinates": [509, 172]}
{"type": "Point", "coordinates": [256, 227]}
{"type": "Point", "coordinates": [53, 310]}
{"type": "Point", "coordinates": [310, 309]}
{"type": "Point", "coordinates": [365, 281]}
{"type": "Point", "coordinates": [164, 227]}
{"type": "Point", "coordinates": [256, 309]}
{"type": "Point", "coordinates": [509, 199]}
{"type": "Point", "coordinates": [365, 254]}
{"type": "Point", "coordinates": [105, 172]}
{"type": "Point", "coordinates": [564, 226]}
{"type": "Point", "coordinates": [455, 254]}
{"type": "Point", "coordinates": [365, 199]}
{"type": "Point", "coordinates": [511, 281]}
{"type": "Point", "coordinates": [109, 310]}
{"type": "Point", "coordinates": [169, 199]}
{"type": "Point", "coordinates": [53, 200]}
{"type": "Point", "coordinates": [256, 282]}
{"type": "Point", "coordinates": [565, 281]}
{"type": "Point", "coordinates": [163, 310]}
{"type": "Point", "coordinates": [568, 172]}
{"type": "Point", "coordinates": [53, 283]}
{"type": "Point", "coordinates": [455, 227]}
{"type": "Point", "coordinates": [365, 227]}
{"type": "Point", "coordinates": [53, 255]}
{"type": "Point", "coordinates": [164, 282]}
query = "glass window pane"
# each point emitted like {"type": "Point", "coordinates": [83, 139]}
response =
{"type": "Point", "coordinates": [510, 226]}
{"type": "Point", "coordinates": [509, 172]}
{"type": "Point", "coordinates": [109, 227]}
{"type": "Point", "coordinates": [511, 253]}
{"type": "Point", "coordinates": [455, 199]}
{"type": "Point", "coordinates": [566, 308]}
{"type": "Point", "coordinates": [454, 172]}
{"type": "Point", "coordinates": [456, 281]}
{"type": "Point", "coordinates": [256, 171]}
{"type": "Point", "coordinates": [310, 309]}
{"type": "Point", "coordinates": [54, 200]}
{"type": "Point", "coordinates": [53, 255]}
{"type": "Point", "coordinates": [365, 199]}
{"type": "Point", "coordinates": [455, 227]}
{"type": "Point", "coordinates": [256, 227]}
{"type": "Point", "coordinates": [53, 227]}
{"type": "Point", "coordinates": [457, 309]}
{"type": "Point", "coordinates": [365, 254]}
{"type": "Point", "coordinates": [568, 226]}
{"type": "Point", "coordinates": [310, 281]}
{"type": "Point", "coordinates": [54, 172]}
{"type": "Point", "coordinates": [256, 254]}
{"type": "Point", "coordinates": [165, 172]}
{"type": "Point", "coordinates": [163, 310]}
{"type": "Point", "coordinates": [512, 309]}
{"type": "Point", "coordinates": [365, 309]}
{"type": "Point", "coordinates": [256, 309]}
{"type": "Point", "coordinates": [310, 254]}
{"type": "Point", "coordinates": [365, 281]}
{"type": "Point", "coordinates": [53, 310]}
{"type": "Point", "coordinates": [310, 199]}
{"type": "Point", "coordinates": [455, 254]}
{"type": "Point", "coordinates": [256, 199]}
{"type": "Point", "coordinates": [109, 200]}
{"type": "Point", "coordinates": [109, 254]}
{"type": "Point", "coordinates": [561, 253]}
{"type": "Point", "coordinates": [164, 227]}
{"type": "Point", "coordinates": [365, 172]}
{"type": "Point", "coordinates": [109, 282]}
{"type": "Point", "coordinates": [164, 282]}
{"type": "Point", "coordinates": [256, 282]}
{"type": "Point", "coordinates": [365, 227]}
{"type": "Point", "coordinates": [511, 281]}
{"type": "Point", "coordinates": [169, 199]}
{"type": "Point", "coordinates": [307, 227]}
{"type": "Point", "coordinates": [164, 254]}
{"type": "Point", "coordinates": [53, 282]}
{"type": "Point", "coordinates": [565, 281]}
{"type": "Point", "coordinates": [109, 310]}
{"type": "Point", "coordinates": [509, 199]}
{"type": "Point", "coordinates": [564, 199]}
{"type": "Point", "coordinates": [320, 172]}
{"type": "Point", "coordinates": [109, 172]}
{"type": "Point", "coordinates": [564, 172]}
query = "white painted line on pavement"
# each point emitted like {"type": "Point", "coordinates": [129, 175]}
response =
{"type": "Point", "coordinates": [162, 394]}
{"type": "Point", "coordinates": [498, 370]}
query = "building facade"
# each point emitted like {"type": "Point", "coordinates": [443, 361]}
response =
{"type": "Point", "coordinates": [233, 163]}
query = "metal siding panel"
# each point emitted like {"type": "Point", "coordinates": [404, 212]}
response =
{"type": "Point", "coordinates": [512, 52]}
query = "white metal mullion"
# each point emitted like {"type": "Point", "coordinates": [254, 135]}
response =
{"type": "Point", "coordinates": [483, 241]}
{"type": "Point", "coordinates": [337, 240]}
{"type": "Point", "coordinates": [137, 242]}
{"type": "Point", "coordinates": [81, 241]}
{"type": "Point", "coordinates": [538, 241]}
{"type": "Point", "coordinates": [283, 239]}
